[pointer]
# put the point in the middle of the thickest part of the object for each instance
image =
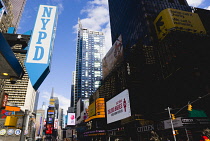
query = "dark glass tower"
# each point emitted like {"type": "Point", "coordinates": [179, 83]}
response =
{"type": "Point", "coordinates": [134, 18]}
{"type": "Point", "coordinates": [158, 69]}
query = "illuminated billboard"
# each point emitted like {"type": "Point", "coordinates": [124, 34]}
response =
{"type": "Point", "coordinates": [52, 101]}
{"type": "Point", "coordinates": [41, 45]}
{"type": "Point", "coordinates": [91, 110]}
{"type": "Point", "coordinates": [71, 119]}
{"type": "Point", "coordinates": [100, 106]}
{"type": "Point", "coordinates": [113, 57]}
{"type": "Point", "coordinates": [177, 20]}
{"type": "Point", "coordinates": [118, 107]}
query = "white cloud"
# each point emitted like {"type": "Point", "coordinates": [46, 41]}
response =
{"type": "Point", "coordinates": [64, 102]}
{"type": "Point", "coordinates": [208, 8]}
{"type": "Point", "coordinates": [195, 2]}
{"type": "Point", "coordinates": [97, 19]}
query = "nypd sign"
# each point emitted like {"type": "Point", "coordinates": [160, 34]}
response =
{"type": "Point", "coordinates": [43, 34]}
{"type": "Point", "coordinates": [41, 44]}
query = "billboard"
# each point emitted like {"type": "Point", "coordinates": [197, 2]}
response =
{"type": "Point", "coordinates": [41, 45]}
{"type": "Point", "coordinates": [100, 106]}
{"type": "Point", "coordinates": [172, 19]}
{"type": "Point", "coordinates": [113, 57]}
{"type": "Point", "coordinates": [71, 119]}
{"type": "Point", "coordinates": [50, 112]}
{"type": "Point", "coordinates": [118, 107]}
{"type": "Point", "coordinates": [4, 100]}
{"type": "Point", "coordinates": [91, 109]}
{"type": "Point", "coordinates": [52, 101]}
{"type": "Point", "coordinates": [78, 108]}
{"type": "Point", "coordinates": [2, 9]}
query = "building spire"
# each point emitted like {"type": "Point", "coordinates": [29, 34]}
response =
{"type": "Point", "coordinates": [52, 93]}
{"type": "Point", "coordinates": [79, 24]}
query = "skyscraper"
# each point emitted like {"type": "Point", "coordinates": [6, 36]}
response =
{"type": "Point", "coordinates": [90, 45]}
{"type": "Point", "coordinates": [17, 10]}
{"type": "Point", "coordinates": [22, 90]}
{"type": "Point", "coordinates": [133, 20]}
{"type": "Point", "coordinates": [6, 15]}
{"type": "Point", "coordinates": [10, 13]}
{"type": "Point", "coordinates": [158, 73]}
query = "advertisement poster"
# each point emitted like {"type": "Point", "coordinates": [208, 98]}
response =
{"type": "Point", "coordinates": [118, 107]}
{"type": "Point", "coordinates": [71, 119]}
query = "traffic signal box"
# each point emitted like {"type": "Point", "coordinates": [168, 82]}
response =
{"type": "Point", "coordinates": [189, 107]}
{"type": "Point", "coordinates": [173, 117]}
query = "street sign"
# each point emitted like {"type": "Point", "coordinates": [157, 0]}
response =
{"type": "Point", "coordinates": [176, 123]}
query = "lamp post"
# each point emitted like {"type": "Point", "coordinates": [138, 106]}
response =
{"type": "Point", "coordinates": [172, 126]}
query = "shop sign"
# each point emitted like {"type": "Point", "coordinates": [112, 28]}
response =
{"type": "Point", "coordinates": [17, 132]}
{"type": "Point", "coordinates": [145, 128]}
{"type": "Point", "coordinates": [176, 123]}
{"type": "Point", "coordinates": [196, 121]}
{"type": "Point", "coordinates": [2, 132]}
{"type": "Point", "coordinates": [10, 132]}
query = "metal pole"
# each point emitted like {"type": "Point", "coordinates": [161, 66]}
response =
{"type": "Point", "coordinates": [22, 138]}
{"type": "Point", "coordinates": [172, 126]}
{"type": "Point", "coordinates": [187, 134]}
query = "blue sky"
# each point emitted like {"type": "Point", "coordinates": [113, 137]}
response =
{"type": "Point", "coordinates": [94, 16]}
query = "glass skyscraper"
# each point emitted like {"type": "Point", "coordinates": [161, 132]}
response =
{"type": "Point", "coordinates": [90, 45]}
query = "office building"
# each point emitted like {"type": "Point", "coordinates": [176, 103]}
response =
{"type": "Point", "coordinates": [90, 45]}
{"type": "Point", "coordinates": [40, 116]}
{"type": "Point", "coordinates": [21, 92]}
{"type": "Point", "coordinates": [17, 10]}
{"type": "Point", "coordinates": [10, 13]}
{"type": "Point", "coordinates": [6, 15]}
{"type": "Point", "coordinates": [163, 66]}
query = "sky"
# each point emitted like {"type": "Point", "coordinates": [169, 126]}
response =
{"type": "Point", "coordinates": [94, 15]}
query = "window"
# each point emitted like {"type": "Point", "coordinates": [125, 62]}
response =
{"type": "Point", "coordinates": [182, 2]}
{"type": "Point", "coordinates": [171, 1]}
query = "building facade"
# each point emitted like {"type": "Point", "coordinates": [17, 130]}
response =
{"type": "Point", "coordinates": [157, 71]}
{"type": "Point", "coordinates": [21, 93]}
{"type": "Point", "coordinates": [90, 45]}
{"type": "Point", "coordinates": [17, 10]}
{"type": "Point", "coordinates": [6, 15]}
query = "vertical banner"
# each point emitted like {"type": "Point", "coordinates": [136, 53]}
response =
{"type": "Point", "coordinates": [4, 100]}
{"type": "Point", "coordinates": [41, 45]}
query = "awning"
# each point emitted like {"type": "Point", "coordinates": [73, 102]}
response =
{"type": "Point", "coordinates": [9, 65]}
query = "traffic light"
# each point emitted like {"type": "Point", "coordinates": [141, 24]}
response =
{"type": "Point", "coordinates": [173, 117]}
{"type": "Point", "coordinates": [189, 107]}
{"type": "Point", "coordinates": [176, 132]}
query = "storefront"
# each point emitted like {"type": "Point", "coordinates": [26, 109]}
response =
{"type": "Point", "coordinates": [185, 128]}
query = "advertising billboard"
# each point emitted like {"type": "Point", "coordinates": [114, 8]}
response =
{"type": "Point", "coordinates": [52, 101]}
{"type": "Point", "coordinates": [50, 112]}
{"type": "Point", "coordinates": [100, 106]}
{"type": "Point", "coordinates": [113, 57]}
{"type": "Point", "coordinates": [41, 44]}
{"type": "Point", "coordinates": [91, 109]}
{"type": "Point", "coordinates": [78, 108]}
{"type": "Point", "coordinates": [71, 119]}
{"type": "Point", "coordinates": [118, 107]}
{"type": "Point", "coordinates": [172, 19]}
{"type": "Point", "coordinates": [4, 100]}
